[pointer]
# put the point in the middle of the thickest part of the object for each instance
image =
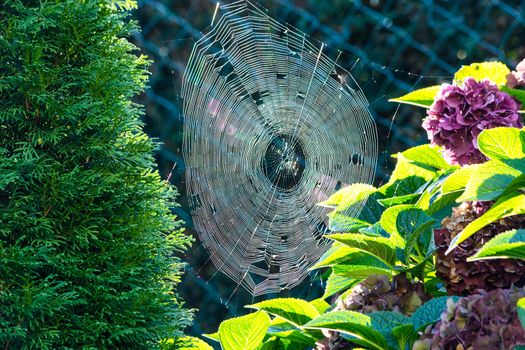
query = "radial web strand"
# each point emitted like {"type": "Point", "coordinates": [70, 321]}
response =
{"type": "Point", "coordinates": [272, 127]}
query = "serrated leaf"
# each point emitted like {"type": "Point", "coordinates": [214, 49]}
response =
{"type": "Point", "coordinates": [405, 335]}
{"type": "Point", "coordinates": [517, 94]}
{"type": "Point", "coordinates": [352, 323]}
{"type": "Point", "coordinates": [284, 330]}
{"type": "Point", "coordinates": [457, 181]}
{"type": "Point", "coordinates": [406, 199]}
{"type": "Point", "coordinates": [295, 311]}
{"type": "Point", "coordinates": [408, 222]}
{"type": "Point", "coordinates": [496, 72]}
{"type": "Point", "coordinates": [336, 283]}
{"type": "Point", "coordinates": [348, 196]}
{"type": "Point", "coordinates": [272, 343]}
{"type": "Point", "coordinates": [386, 321]}
{"type": "Point", "coordinates": [517, 184]}
{"type": "Point", "coordinates": [359, 260]}
{"type": "Point", "coordinates": [407, 178]}
{"type": "Point", "coordinates": [427, 155]}
{"type": "Point", "coordinates": [440, 202]}
{"type": "Point", "coordinates": [507, 245]}
{"type": "Point", "coordinates": [379, 247]}
{"type": "Point", "coordinates": [338, 222]}
{"type": "Point", "coordinates": [360, 272]}
{"type": "Point", "coordinates": [430, 312]}
{"type": "Point", "coordinates": [320, 305]}
{"type": "Point", "coordinates": [507, 205]}
{"type": "Point", "coordinates": [374, 230]}
{"type": "Point", "coordinates": [521, 311]}
{"type": "Point", "coordinates": [245, 332]}
{"type": "Point", "coordinates": [421, 97]}
{"type": "Point", "coordinates": [288, 332]}
{"type": "Point", "coordinates": [489, 181]}
{"type": "Point", "coordinates": [338, 253]}
{"type": "Point", "coordinates": [502, 143]}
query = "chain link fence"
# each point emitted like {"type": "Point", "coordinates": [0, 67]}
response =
{"type": "Point", "coordinates": [392, 47]}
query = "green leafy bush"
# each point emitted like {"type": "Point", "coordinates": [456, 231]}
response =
{"type": "Point", "coordinates": [385, 278]}
{"type": "Point", "coordinates": [86, 232]}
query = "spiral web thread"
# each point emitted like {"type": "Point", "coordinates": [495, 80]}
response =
{"type": "Point", "coordinates": [272, 127]}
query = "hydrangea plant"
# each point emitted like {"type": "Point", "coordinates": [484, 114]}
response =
{"type": "Point", "coordinates": [436, 248]}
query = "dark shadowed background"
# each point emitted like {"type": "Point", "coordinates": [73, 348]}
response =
{"type": "Point", "coordinates": [398, 45]}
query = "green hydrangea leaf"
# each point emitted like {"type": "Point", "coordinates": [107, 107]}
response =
{"type": "Point", "coordinates": [426, 155]}
{"type": "Point", "coordinates": [272, 343]}
{"type": "Point", "coordinates": [295, 311]}
{"type": "Point", "coordinates": [348, 196]}
{"type": "Point", "coordinates": [405, 335]}
{"type": "Point", "coordinates": [320, 305]}
{"type": "Point", "coordinates": [489, 181]}
{"type": "Point", "coordinates": [407, 177]}
{"type": "Point", "coordinates": [408, 222]}
{"type": "Point", "coordinates": [282, 329]}
{"type": "Point", "coordinates": [517, 184]}
{"type": "Point", "coordinates": [496, 72]}
{"type": "Point", "coordinates": [362, 271]}
{"type": "Point", "coordinates": [507, 205]}
{"type": "Point", "coordinates": [421, 98]}
{"type": "Point", "coordinates": [507, 245]}
{"type": "Point", "coordinates": [245, 332]}
{"type": "Point", "coordinates": [517, 94]}
{"type": "Point", "coordinates": [386, 321]}
{"type": "Point", "coordinates": [379, 247]}
{"type": "Point", "coordinates": [502, 143]}
{"type": "Point", "coordinates": [457, 181]}
{"type": "Point", "coordinates": [355, 324]}
{"type": "Point", "coordinates": [338, 253]}
{"type": "Point", "coordinates": [430, 312]}
{"type": "Point", "coordinates": [406, 199]}
{"type": "Point", "coordinates": [441, 202]}
{"type": "Point", "coordinates": [338, 222]}
{"type": "Point", "coordinates": [337, 283]}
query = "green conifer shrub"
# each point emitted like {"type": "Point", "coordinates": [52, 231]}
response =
{"type": "Point", "coordinates": [87, 236]}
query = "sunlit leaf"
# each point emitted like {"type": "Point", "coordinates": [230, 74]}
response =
{"type": "Point", "coordinates": [496, 72]}
{"type": "Point", "coordinates": [489, 181]}
{"type": "Point", "coordinates": [421, 98]}
{"type": "Point", "coordinates": [295, 311]}
{"type": "Point", "coordinates": [379, 247]}
{"type": "Point", "coordinates": [427, 155]}
{"type": "Point", "coordinates": [508, 205]}
{"type": "Point", "coordinates": [352, 323]}
{"type": "Point", "coordinates": [509, 245]}
{"type": "Point", "coordinates": [245, 332]}
{"type": "Point", "coordinates": [502, 143]}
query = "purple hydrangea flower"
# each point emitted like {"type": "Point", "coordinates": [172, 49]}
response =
{"type": "Point", "coordinates": [517, 78]}
{"type": "Point", "coordinates": [460, 113]}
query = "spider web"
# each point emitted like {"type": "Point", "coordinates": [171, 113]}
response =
{"type": "Point", "coordinates": [272, 127]}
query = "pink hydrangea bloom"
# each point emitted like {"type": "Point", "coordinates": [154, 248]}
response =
{"type": "Point", "coordinates": [460, 113]}
{"type": "Point", "coordinates": [517, 78]}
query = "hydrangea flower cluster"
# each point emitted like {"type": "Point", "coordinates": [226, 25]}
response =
{"type": "Point", "coordinates": [487, 320]}
{"type": "Point", "coordinates": [517, 78]}
{"type": "Point", "coordinates": [460, 113]}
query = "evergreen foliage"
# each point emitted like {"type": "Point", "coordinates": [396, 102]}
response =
{"type": "Point", "coordinates": [86, 233]}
